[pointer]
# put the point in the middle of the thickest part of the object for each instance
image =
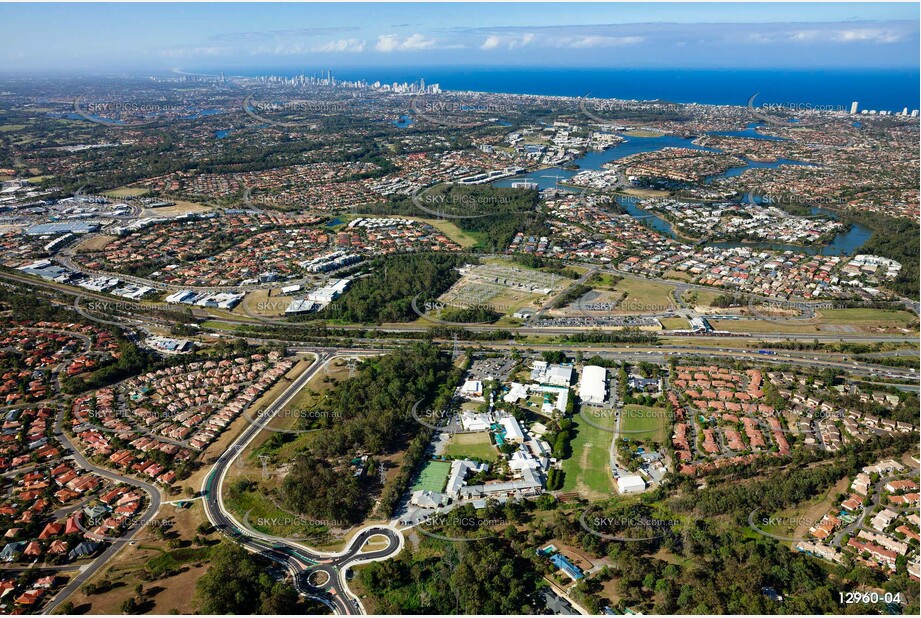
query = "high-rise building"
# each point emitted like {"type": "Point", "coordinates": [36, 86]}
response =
{"type": "Point", "coordinates": [854, 107]}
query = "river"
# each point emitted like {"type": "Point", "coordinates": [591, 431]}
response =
{"type": "Point", "coordinates": [845, 243]}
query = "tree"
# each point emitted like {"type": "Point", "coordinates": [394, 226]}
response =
{"type": "Point", "coordinates": [230, 585]}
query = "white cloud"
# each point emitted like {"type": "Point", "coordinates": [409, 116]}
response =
{"type": "Point", "coordinates": [508, 42]}
{"type": "Point", "coordinates": [867, 35]}
{"type": "Point", "coordinates": [492, 42]}
{"type": "Point", "coordinates": [342, 45]}
{"type": "Point", "coordinates": [585, 42]}
{"type": "Point", "coordinates": [393, 42]}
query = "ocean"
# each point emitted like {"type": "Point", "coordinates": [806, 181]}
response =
{"type": "Point", "coordinates": [879, 89]}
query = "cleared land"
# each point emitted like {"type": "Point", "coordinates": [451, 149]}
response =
{"type": "Point", "coordinates": [127, 192]}
{"type": "Point", "coordinates": [474, 445]}
{"type": "Point", "coordinates": [588, 470]}
{"type": "Point", "coordinates": [167, 574]}
{"type": "Point", "coordinates": [181, 207]}
{"type": "Point", "coordinates": [874, 318]}
{"type": "Point", "coordinates": [94, 243]}
{"type": "Point", "coordinates": [642, 133]}
{"type": "Point", "coordinates": [645, 296]}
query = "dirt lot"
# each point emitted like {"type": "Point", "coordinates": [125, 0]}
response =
{"type": "Point", "coordinates": [126, 570]}
{"type": "Point", "coordinates": [181, 207]}
{"type": "Point", "coordinates": [96, 243]}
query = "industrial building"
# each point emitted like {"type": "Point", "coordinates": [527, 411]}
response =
{"type": "Point", "coordinates": [593, 386]}
{"type": "Point", "coordinates": [630, 484]}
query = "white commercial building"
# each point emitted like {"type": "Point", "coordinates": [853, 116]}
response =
{"type": "Point", "coordinates": [593, 386]}
{"type": "Point", "coordinates": [472, 421]}
{"type": "Point", "coordinates": [630, 484]}
{"type": "Point", "coordinates": [513, 431]}
{"type": "Point", "coordinates": [472, 388]}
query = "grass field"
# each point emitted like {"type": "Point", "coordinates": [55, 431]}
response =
{"type": "Point", "coordinates": [588, 471]}
{"type": "Point", "coordinates": [433, 476]}
{"type": "Point", "coordinates": [645, 296]}
{"type": "Point", "coordinates": [602, 281]}
{"type": "Point", "coordinates": [475, 445]}
{"type": "Point", "coordinates": [646, 192]}
{"type": "Point", "coordinates": [182, 207]}
{"type": "Point", "coordinates": [644, 423]}
{"type": "Point", "coordinates": [136, 564]}
{"type": "Point", "coordinates": [642, 133]}
{"type": "Point", "coordinates": [127, 192]}
{"type": "Point", "coordinates": [96, 243]}
{"type": "Point", "coordinates": [880, 318]}
{"type": "Point", "coordinates": [447, 228]}
{"type": "Point", "coordinates": [703, 298]}
{"type": "Point", "coordinates": [674, 323]}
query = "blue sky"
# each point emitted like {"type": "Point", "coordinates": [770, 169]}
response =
{"type": "Point", "coordinates": [228, 36]}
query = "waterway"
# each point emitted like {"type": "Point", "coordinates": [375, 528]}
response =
{"type": "Point", "coordinates": [845, 243]}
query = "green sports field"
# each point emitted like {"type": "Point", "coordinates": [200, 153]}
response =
{"type": "Point", "coordinates": [644, 423]}
{"type": "Point", "coordinates": [588, 471]}
{"type": "Point", "coordinates": [433, 476]}
{"type": "Point", "coordinates": [476, 445]}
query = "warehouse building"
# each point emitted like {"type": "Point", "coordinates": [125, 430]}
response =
{"type": "Point", "coordinates": [593, 387]}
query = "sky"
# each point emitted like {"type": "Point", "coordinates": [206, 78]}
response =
{"type": "Point", "coordinates": [98, 38]}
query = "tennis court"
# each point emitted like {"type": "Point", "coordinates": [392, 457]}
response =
{"type": "Point", "coordinates": [433, 476]}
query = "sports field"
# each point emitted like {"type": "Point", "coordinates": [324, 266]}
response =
{"type": "Point", "coordinates": [475, 445]}
{"type": "Point", "coordinates": [644, 423]}
{"type": "Point", "coordinates": [433, 476]}
{"type": "Point", "coordinates": [588, 471]}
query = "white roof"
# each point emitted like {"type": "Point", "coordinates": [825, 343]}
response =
{"type": "Point", "coordinates": [593, 386]}
{"type": "Point", "coordinates": [512, 429]}
{"type": "Point", "coordinates": [627, 482]}
{"type": "Point", "coordinates": [472, 386]}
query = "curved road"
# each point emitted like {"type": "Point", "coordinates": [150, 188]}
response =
{"type": "Point", "coordinates": [304, 564]}
{"type": "Point", "coordinates": [152, 509]}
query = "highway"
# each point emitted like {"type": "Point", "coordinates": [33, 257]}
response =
{"type": "Point", "coordinates": [525, 330]}
{"type": "Point", "coordinates": [322, 575]}
{"type": "Point", "coordinates": [318, 575]}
